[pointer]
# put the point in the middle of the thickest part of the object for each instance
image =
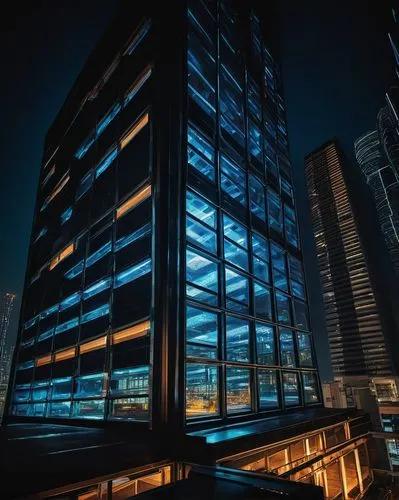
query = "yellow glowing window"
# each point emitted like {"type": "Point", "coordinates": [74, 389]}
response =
{"type": "Point", "coordinates": [62, 255]}
{"type": "Point", "coordinates": [133, 201]}
{"type": "Point", "coordinates": [44, 360]}
{"type": "Point", "coordinates": [65, 354]}
{"type": "Point", "coordinates": [93, 345]}
{"type": "Point", "coordinates": [134, 130]}
{"type": "Point", "coordinates": [58, 188]}
{"type": "Point", "coordinates": [133, 332]}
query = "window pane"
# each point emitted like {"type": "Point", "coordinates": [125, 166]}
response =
{"type": "Point", "coordinates": [136, 408]}
{"type": "Point", "coordinates": [201, 154]}
{"type": "Point", "coordinates": [255, 141]}
{"type": "Point", "coordinates": [275, 215]}
{"type": "Point", "coordinates": [235, 231]}
{"type": "Point", "coordinates": [130, 381]}
{"type": "Point", "coordinates": [233, 180]}
{"type": "Point", "coordinates": [237, 339]}
{"type": "Point", "coordinates": [231, 107]}
{"type": "Point", "coordinates": [283, 308]}
{"type": "Point", "coordinates": [202, 396]}
{"type": "Point", "coordinates": [260, 269]}
{"type": "Point", "coordinates": [301, 315]}
{"type": "Point", "coordinates": [201, 75]}
{"type": "Point", "coordinates": [254, 101]}
{"type": "Point", "coordinates": [291, 233]}
{"type": "Point", "coordinates": [304, 350]}
{"type": "Point", "coordinates": [89, 409]}
{"type": "Point", "coordinates": [238, 390]}
{"type": "Point", "coordinates": [287, 350]}
{"type": "Point", "coordinates": [262, 301]}
{"type": "Point", "coordinates": [201, 333]}
{"type": "Point", "coordinates": [202, 273]}
{"type": "Point", "coordinates": [200, 235]}
{"type": "Point", "coordinates": [257, 195]}
{"type": "Point", "coordinates": [265, 344]}
{"type": "Point", "coordinates": [267, 387]}
{"type": "Point", "coordinates": [291, 390]}
{"type": "Point", "coordinates": [235, 255]}
{"type": "Point", "coordinates": [310, 387]}
{"type": "Point", "coordinates": [200, 209]}
{"type": "Point", "coordinates": [260, 247]}
{"type": "Point", "coordinates": [237, 290]}
{"type": "Point", "coordinates": [89, 385]}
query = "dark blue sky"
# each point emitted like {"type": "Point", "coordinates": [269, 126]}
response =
{"type": "Point", "coordinates": [336, 66]}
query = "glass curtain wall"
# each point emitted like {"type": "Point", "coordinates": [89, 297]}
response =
{"type": "Point", "coordinates": [248, 345]}
{"type": "Point", "coordinates": [85, 341]}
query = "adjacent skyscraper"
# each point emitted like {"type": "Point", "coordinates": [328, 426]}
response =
{"type": "Point", "coordinates": [165, 284]}
{"type": "Point", "coordinates": [357, 343]}
{"type": "Point", "coordinates": [381, 176]}
{"type": "Point", "coordinates": [5, 316]}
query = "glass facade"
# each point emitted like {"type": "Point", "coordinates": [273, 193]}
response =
{"type": "Point", "coordinates": [106, 277]}
{"type": "Point", "coordinates": [84, 349]}
{"type": "Point", "coordinates": [248, 344]}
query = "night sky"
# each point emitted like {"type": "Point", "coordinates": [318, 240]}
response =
{"type": "Point", "coordinates": [336, 65]}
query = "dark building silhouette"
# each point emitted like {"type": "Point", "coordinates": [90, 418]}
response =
{"type": "Point", "coordinates": [165, 287]}
{"type": "Point", "coordinates": [354, 327]}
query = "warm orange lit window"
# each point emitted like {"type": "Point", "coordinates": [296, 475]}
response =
{"type": "Point", "coordinates": [139, 82]}
{"type": "Point", "coordinates": [58, 188]}
{"type": "Point", "coordinates": [65, 354]}
{"type": "Point", "coordinates": [93, 345]}
{"type": "Point", "coordinates": [133, 201]}
{"type": "Point", "coordinates": [133, 332]}
{"type": "Point", "coordinates": [62, 255]}
{"type": "Point", "coordinates": [134, 130]}
{"type": "Point", "coordinates": [44, 360]}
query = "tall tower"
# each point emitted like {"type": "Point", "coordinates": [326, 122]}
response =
{"type": "Point", "coordinates": [5, 315]}
{"type": "Point", "coordinates": [356, 339]}
{"type": "Point", "coordinates": [384, 184]}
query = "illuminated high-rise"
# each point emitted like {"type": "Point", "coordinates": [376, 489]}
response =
{"type": "Point", "coordinates": [357, 343]}
{"type": "Point", "coordinates": [6, 306]}
{"type": "Point", "coordinates": [165, 287]}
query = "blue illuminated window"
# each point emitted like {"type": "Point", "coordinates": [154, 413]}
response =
{"type": "Point", "coordinates": [255, 141]}
{"type": "Point", "coordinates": [68, 325]}
{"type": "Point", "coordinates": [291, 231]}
{"type": "Point", "coordinates": [89, 386]}
{"type": "Point", "coordinates": [202, 275]}
{"type": "Point", "coordinates": [49, 311]}
{"type": "Point", "coordinates": [99, 312]}
{"type": "Point", "coordinates": [275, 215]}
{"type": "Point", "coordinates": [22, 392]}
{"type": "Point", "coordinates": [296, 275]}
{"type": "Point", "coordinates": [260, 262]}
{"type": "Point", "coordinates": [304, 350]}
{"type": "Point", "coordinates": [99, 254]}
{"type": "Point", "coordinates": [26, 365]}
{"type": "Point", "coordinates": [201, 333]}
{"type": "Point", "coordinates": [59, 409]}
{"type": "Point", "coordinates": [291, 389]}
{"type": "Point", "coordinates": [27, 343]}
{"type": "Point", "coordinates": [237, 290]}
{"type": "Point", "coordinates": [238, 390]}
{"type": "Point", "coordinates": [257, 198]}
{"type": "Point", "coordinates": [231, 107]}
{"type": "Point", "coordinates": [235, 242]}
{"type": "Point", "coordinates": [85, 146]}
{"type": "Point", "coordinates": [61, 388]}
{"type": "Point", "coordinates": [107, 119]}
{"type": "Point", "coordinates": [138, 37]}
{"type": "Point", "coordinates": [133, 273]}
{"type": "Point", "coordinates": [287, 349]}
{"type": "Point", "coordinates": [137, 86]}
{"type": "Point", "coordinates": [75, 270]}
{"type": "Point", "coordinates": [28, 324]}
{"type": "Point", "coordinates": [97, 288]}
{"type": "Point", "coordinates": [279, 267]}
{"type": "Point", "coordinates": [201, 154]}
{"type": "Point", "coordinates": [262, 301]}
{"type": "Point", "coordinates": [66, 215]}
{"type": "Point", "coordinates": [283, 308]}
{"type": "Point", "coordinates": [237, 339]}
{"type": "Point", "coordinates": [40, 390]}
{"type": "Point", "coordinates": [286, 187]}
{"type": "Point", "coordinates": [92, 409]}
{"type": "Point", "coordinates": [106, 162]}
{"type": "Point", "coordinates": [254, 101]}
{"type": "Point", "coordinates": [124, 241]}
{"type": "Point", "coordinates": [130, 381]}
{"type": "Point", "coordinates": [45, 335]}
{"type": "Point", "coordinates": [267, 389]}
{"type": "Point", "coordinates": [85, 185]}
{"type": "Point", "coordinates": [265, 344]}
{"type": "Point", "coordinates": [201, 75]}
{"type": "Point", "coordinates": [233, 180]}
{"type": "Point", "coordinates": [201, 233]}
{"type": "Point", "coordinates": [70, 301]}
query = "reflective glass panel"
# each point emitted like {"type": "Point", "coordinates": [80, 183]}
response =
{"type": "Point", "coordinates": [238, 390]}
{"type": "Point", "coordinates": [287, 350]}
{"type": "Point", "coordinates": [291, 389]}
{"type": "Point", "coordinates": [310, 387]}
{"type": "Point", "coordinates": [202, 395]}
{"type": "Point", "coordinates": [237, 339]}
{"type": "Point", "coordinates": [265, 344]}
{"type": "Point", "coordinates": [201, 333]}
{"type": "Point", "coordinates": [267, 389]}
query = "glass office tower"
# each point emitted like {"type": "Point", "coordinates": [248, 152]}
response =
{"type": "Point", "coordinates": [165, 280]}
